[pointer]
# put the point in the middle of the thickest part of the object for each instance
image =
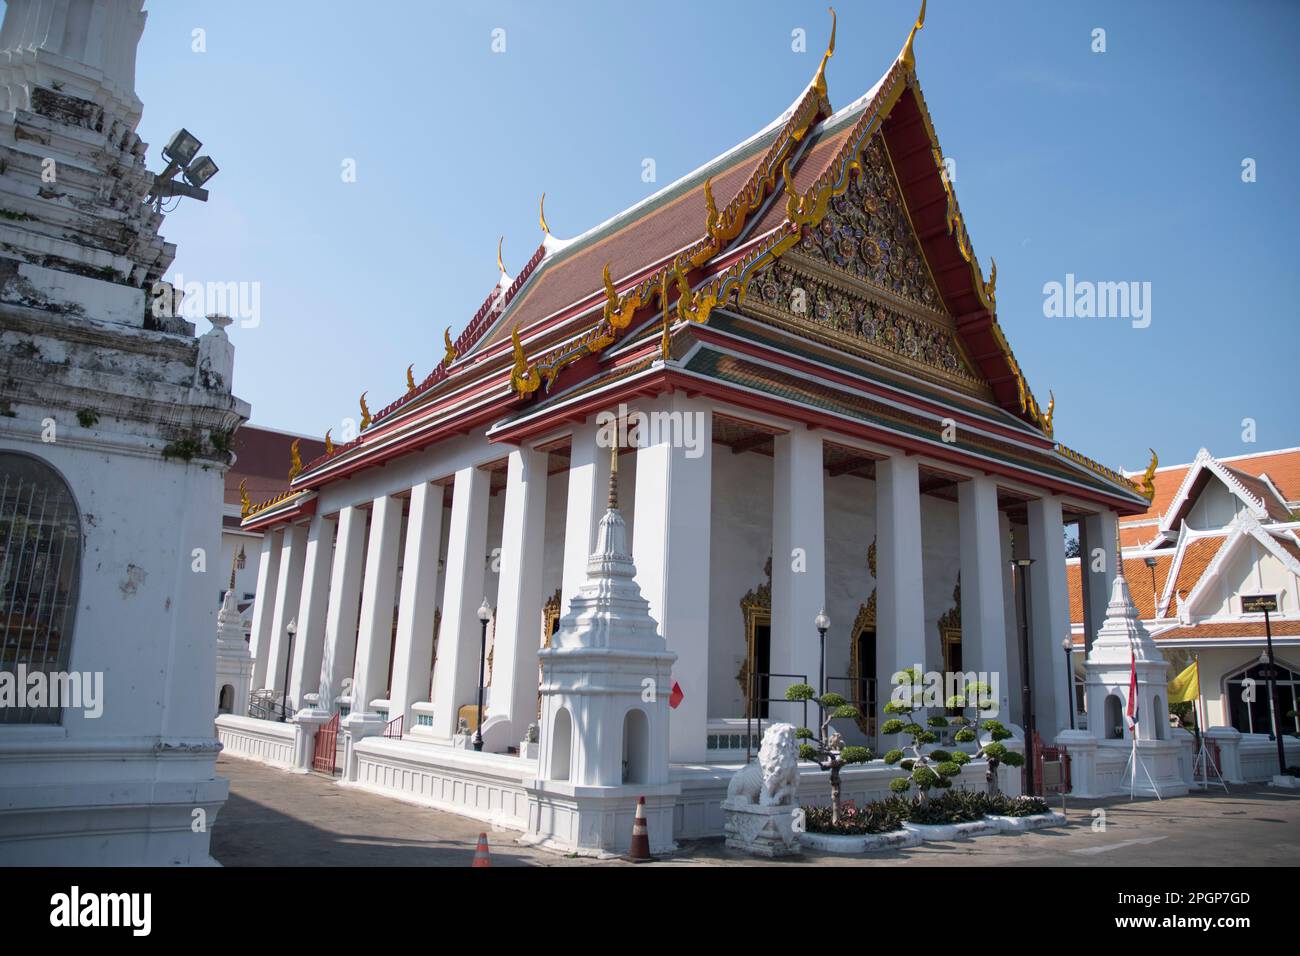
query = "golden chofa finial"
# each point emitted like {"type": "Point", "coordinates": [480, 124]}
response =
{"type": "Point", "coordinates": [410, 377]}
{"type": "Point", "coordinates": [908, 56]}
{"type": "Point", "coordinates": [452, 354]}
{"type": "Point", "coordinates": [329, 442]}
{"type": "Point", "coordinates": [1051, 410]}
{"type": "Point", "coordinates": [541, 215]}
{"type": "Point", "coordinates": [365, 412]}
{"type": "Point", "coordinates": [500, 265]}
{"type": "Point", "coordinates": [1148, 482]}
{"type": "Point", "coordinates": [295, 460]}
{"type": "Point", "coordinates": [711, 209]}
{"type": "Point", "coordinates": [523, 379]}
{"type": "Point", "coordinates": [245, 503]}
{"type": "Point", "coordinates": [819, 81]}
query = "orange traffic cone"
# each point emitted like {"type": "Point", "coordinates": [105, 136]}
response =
{"type": "Point", "coordinates": [481, 857]}
{"type": "Point", "coordinates": [639, 851]}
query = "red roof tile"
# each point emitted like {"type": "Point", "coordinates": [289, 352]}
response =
{"type": "Point", "coordinates": [262, 457]}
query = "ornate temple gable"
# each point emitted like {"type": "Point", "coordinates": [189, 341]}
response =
{"type": "Point", "coordinates": [797, 297]}
{"type": "Point", "coordinates": [859, 274]}
{"type": "Point", "coordinates": [867, 234]}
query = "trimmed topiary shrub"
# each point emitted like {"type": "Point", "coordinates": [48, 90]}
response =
{"type": "Point", "coordinates": [929, 771]}
{"type": "Point", "coordinates": [826, 747]}
{"type": "Point", "coordinates": [978, 697]}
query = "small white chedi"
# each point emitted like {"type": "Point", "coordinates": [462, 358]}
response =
{"type": "Point", "coordinates": [762, 798]}
{"type": "Point", "coordinates": [604, 683]}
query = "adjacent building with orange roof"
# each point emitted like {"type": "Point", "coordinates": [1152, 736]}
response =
{"type": "Point", "coordinates": [1218, 530]}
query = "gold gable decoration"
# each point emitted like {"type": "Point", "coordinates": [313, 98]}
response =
{"type": "Point", "coordinates": [720, 228]}
{"type": "Point", "coordinates": [867, 234]}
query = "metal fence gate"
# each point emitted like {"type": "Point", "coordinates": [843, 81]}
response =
{"type": "Point", "coordinates": [325, 752]}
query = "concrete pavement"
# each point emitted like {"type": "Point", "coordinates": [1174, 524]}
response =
{"type": "Point", "coordinates": [275, 818]}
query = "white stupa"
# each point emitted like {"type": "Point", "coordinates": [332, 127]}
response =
{"type": "Point", "coordinates": [604, 729]}
{"type": "Point", "coordinates": [1122, 644]}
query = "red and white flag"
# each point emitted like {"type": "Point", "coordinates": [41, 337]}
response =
{"type": "Point", "coordinates": [1132, 691]}
{"type": "Point", "coordinates": [676, 696]}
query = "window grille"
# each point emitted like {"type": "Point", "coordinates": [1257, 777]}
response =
{"type": "Point", "coordinates": [40, 557]}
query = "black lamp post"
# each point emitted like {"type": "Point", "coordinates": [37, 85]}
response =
{"type": "Point", "coordinates": [823, 624]}
{"type": "Point", "coordinates": [1026, 693]}
{"type": "Point", "coordinates": [1151, 563]}
{"type": "Point", "coordinates": [291, 630]}
{"type": "Point", "coordinates": [1067, 645]}
{"type": "Point", "coordinates": [484, 612]}
{"type": "Point", "coordinates": [1274, 703]}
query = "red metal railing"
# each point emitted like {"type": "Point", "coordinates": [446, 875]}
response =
{"type": "Point", "coordinates": [1043, 754]}
{"type": "Point", "coordinates": [325, 752]}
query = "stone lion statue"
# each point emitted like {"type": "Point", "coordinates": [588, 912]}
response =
{"type": "Point", "coordinates": [773, 780]}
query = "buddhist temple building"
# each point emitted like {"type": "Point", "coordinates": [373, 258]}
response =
{"type": "Point", "coordinates": [799, 355]}
{"type": "Point", "coordinates": [1218, 530]}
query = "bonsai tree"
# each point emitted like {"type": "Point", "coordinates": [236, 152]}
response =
{"type": "Point", "coordinates": [927, 770]}
{"type": "Point", "coordinates": [826, 747]}
{"type": "Point", "coordinates": [978, 697]}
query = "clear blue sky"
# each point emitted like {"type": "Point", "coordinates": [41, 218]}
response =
{"type": "Point", "coordinates": [1119, 166]}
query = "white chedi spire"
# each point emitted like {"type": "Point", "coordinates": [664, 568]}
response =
{"type": "Point", "coordinates": [1123, 634]}
{"type": "Point", "coordinates": [609, 611]}
{"type": "Point", "coordinates": [230, 629]}
{"type": "Point", "coordinates": [81, 48]}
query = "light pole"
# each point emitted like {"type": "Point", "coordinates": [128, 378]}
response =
{"type": "Point", "coordinates": [1272, 694]}
{"type": "Point", "coordinates": [1026, 693]}
{"type": "Point", "coordinates": [484, 612]}
{"type": "Point", "coordinates": [1067, 645]}
{"type": "Point", "coordinates": [823, 624]}
{"type": "Point", "coordinates": [1151, 563]}
{"type": "Point", "coordinates": [291, 630]}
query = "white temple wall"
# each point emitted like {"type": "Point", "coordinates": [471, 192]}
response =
{"type": "Point", "coordinates": [1250, 570]}
{"type": "Point", "coordinates": [850, 529]}
{"type": "Point", "coordinates": [941, 563]}
{"type": "Point", "coordinates": [557, 488]}
{"type": "Point", "coordinates": [741, 529]}
{"type": "Point", "coordinates": [1214, 507]}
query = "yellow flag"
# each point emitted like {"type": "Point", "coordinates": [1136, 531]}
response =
{"type": "Point", "coordinates": [1186, 686]}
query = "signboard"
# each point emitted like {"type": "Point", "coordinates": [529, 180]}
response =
{"type": "Point", "coordinates": [1258, 603]}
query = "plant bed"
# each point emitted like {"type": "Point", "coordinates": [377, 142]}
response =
{"type": "Point", "coordinates": [943, 832]}
{"type": "Point", "coordinates": [877, 817]}
{"type": "Point", "coordinates": [859, 843]}
{"type": "Point", "coordinates": [1032, 821]}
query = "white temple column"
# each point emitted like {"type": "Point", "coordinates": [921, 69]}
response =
{"type": "Point", "coordinates": [455, 678]}
{"type": "Point", "coordinates": [268, 578]}
{"type": "Point", "coordinates": [671, 552]}
{"type": "Point", "coordinates": [312, 609]}
{"type": "Point", "coordinates": [983, 618]}
{"type": "Point", "coordinates": [519, 602]}
{"type": "Point", "coordinates": [344, 599]}
{"type": "Point", "coordinates": [798, 563]}
{"type": "Point", "coordinates": [1096, 570]}
{"type": "Point", "coordinates": [293, 552]}
{"type": "Point", "coordinates": [900, 586]}
{"type": "Point", "coordinates": [588, 484]}
{"type": "Point", "coordinates": [419, 602]}
{"type": "Point", "coordinates": [378, 597]}
{"type": "Point", "coordinates": [1049, 617]}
